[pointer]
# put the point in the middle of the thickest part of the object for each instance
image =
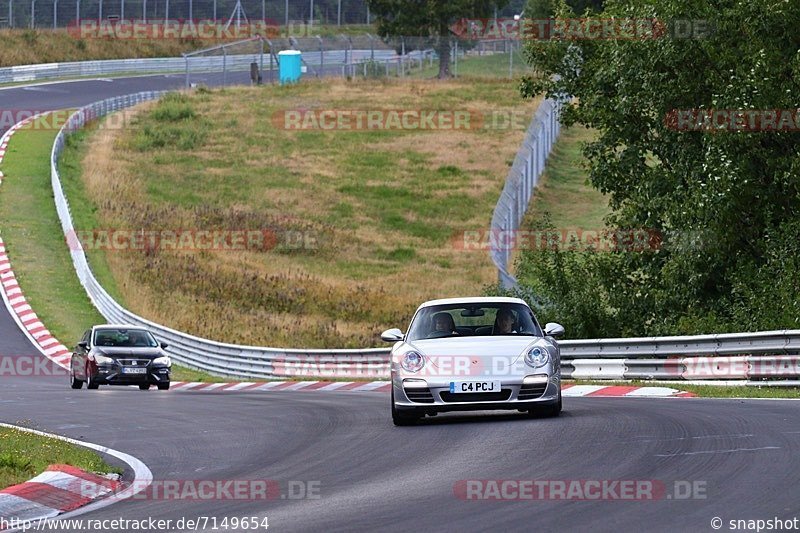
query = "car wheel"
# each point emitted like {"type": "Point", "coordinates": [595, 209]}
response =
{"type": "Point", "coordinates": [144, 386]}
{"type": "Point", "coordinates": [400, 418]}
{"type": "Point", "coordinates": [548, 410]}
{"type": "Point", "coordinates": [74, 382]}
{"type": "Point", "coordinates": [90, 383]}
{"type": "Point", "coordinates": [163, 386]}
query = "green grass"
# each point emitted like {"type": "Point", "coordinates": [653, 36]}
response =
{"type": "Point", "coordinates": [24, 455]}
{"type": "Point", "coordinates": [708, 391]}
{"type": "Point", "coordinates": [35, 243]}
{"type": "Point", "coordinates": [489, 65]}
{"type": "Point", "coordinates": [563, 189]}
{"type": "Point", "coordinates": [34, 239]}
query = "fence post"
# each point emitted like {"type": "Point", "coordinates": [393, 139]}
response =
{"type": "Point", "coordinates": [224, 67]}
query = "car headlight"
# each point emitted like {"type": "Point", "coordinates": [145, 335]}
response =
{"type": "Point", "coordinates": [536, 357]}
{"type": "Point", "coordinates": [412, 362]}
{"type": "Point", "coordinates": [103, 360]}
{"type": "Point", "coordinates": [163, 360]}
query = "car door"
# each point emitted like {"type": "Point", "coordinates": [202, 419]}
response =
{"type": "Point", "coordinates": [80, 355]}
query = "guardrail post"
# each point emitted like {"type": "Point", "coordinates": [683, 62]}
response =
{"type": "Point", "coordinates": [224, 67]}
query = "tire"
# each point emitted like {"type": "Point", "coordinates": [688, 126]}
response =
{"type": "Point", "coordinates": [163, 386]}
{"type": "Point", "coordinates": [90, 384]}
{"type": "Point", "coordinates": [548, 411]}
{"type": "Point", "coordinates": [144, 386]}
{"type": "Point", "coordinates": [74, 382]}
{"type": "Point", "coordinates": [403, 419]}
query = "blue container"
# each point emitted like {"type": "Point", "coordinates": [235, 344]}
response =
{"type": "Point", "coordinates": [289, 67]}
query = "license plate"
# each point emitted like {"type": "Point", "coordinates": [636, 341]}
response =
{"type": "Point", "coordinates": [463, 387]}
{"type": "Point", "coordinates": [127, 370]}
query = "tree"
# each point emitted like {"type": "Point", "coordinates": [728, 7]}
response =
{"type": "Point", "coordinates": [729, 198]}
{"type": "Point", "coordinates": [429, 19]}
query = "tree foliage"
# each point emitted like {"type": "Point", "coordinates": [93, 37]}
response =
{"type": "Point", "coordinates": [727, 202]}
{"type": "Point", "coordinates": [429, 19]}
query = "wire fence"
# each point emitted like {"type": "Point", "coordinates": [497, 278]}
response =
{"type": "Point", "coordinates": [61, 13]}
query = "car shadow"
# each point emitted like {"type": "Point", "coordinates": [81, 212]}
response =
{"type": "Point", "coordinates": [483, 417]}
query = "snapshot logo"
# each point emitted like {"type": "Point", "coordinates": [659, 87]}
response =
{"type": "Point", "coordinates": [29, 366]}
{"type": "Point", "coordinates": [173, 29]}
{"type": "Point", "coordinates": [733, 120]}
{"type": "Point", "coordinates": [580, 29]}
{"type": "Point", "coordinates": [400, 119]}
{"type": "Point", "coordinates": [578, 490]}
{"type": "Point", "coordinates": [191, 240]}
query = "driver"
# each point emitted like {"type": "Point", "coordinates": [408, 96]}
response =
{"type": "Point", "coordinates": [444, 323]}
{"type": "Point", "coordinates": [504, 322]}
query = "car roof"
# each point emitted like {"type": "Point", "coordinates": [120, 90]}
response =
{"type": "Point", "coordinates": [474, 300]}
{"type": "Point", "coordinates": [119, 326]}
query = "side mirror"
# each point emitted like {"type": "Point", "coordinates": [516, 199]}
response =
{"type": "Point", "coordinates": [553, 329]}
{"type": "Point", "coordinates": [164, 345]}
{"type": "Point", "coordinates": [392, 335]}
{"type": "Point", "coordinates": [83, 345]}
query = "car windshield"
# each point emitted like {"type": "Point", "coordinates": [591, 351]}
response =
{"type": "Point", "coordinates": [124, 338]}
{"type": "Point", "coordinates": [477, 320]}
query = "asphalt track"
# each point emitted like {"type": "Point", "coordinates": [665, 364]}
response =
{"type": "Point", "coordinates": [371, 475]}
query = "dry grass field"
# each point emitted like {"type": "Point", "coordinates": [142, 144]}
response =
{"type": "Point", "coordinates": [377, 211]}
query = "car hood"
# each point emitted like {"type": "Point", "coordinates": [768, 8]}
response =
{"type": "Point", "coordinates": [510, 346]}
{"type": "Point", "coordinates": [128, 352]}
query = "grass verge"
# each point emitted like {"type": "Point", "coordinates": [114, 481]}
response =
{"type": "Point", "coordinates": [564, 190]}
{"type": "Point", "coordinates": [30, 227]}
{"type": "Point", "coordinates": [24, 455]}
{"type": "Point", "coordinates": [33, 235]}
{"type": "Point", "coordinates": [488, 65]}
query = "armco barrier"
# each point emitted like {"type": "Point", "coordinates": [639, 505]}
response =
{"type": "Point", "coordinates": [247, 362]}
{"type": "Point", "coordinates": [165, 65]}
{"type": "Point", "coordinates": [768, 354]}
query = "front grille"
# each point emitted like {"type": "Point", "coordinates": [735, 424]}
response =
{"type": "Point", "coordinates": [419, 395]}
{"type": "Point", "coordinates": [532, 391]}
{"type": "Point", "coordinates": [452, 397]}
{"type": "Point", "coordinates": [134, 362]}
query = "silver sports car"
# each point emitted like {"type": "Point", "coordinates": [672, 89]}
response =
{"type": "Point", "coordinates": [463, 354]}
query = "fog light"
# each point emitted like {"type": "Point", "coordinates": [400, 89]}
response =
{"type": "Point", "coordinates": [415, 384]}
{"type": "Point", "coordinates": [535, 379]}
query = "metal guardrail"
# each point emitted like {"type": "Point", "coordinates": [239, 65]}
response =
{"type": "Point", "coordinates": [249, 362]}
{"type": "Point", "coordinates": [528, 165]}
{"type": "Point", "coordinates": [338, 59]}
{"type": "Point", "coordinates": [760, 355]}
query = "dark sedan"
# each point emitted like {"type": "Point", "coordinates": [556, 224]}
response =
{"type": "Point", "coordinates": [119, 355]}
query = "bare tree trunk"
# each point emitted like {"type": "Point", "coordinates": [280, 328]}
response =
{"type": "Point", "coordinates": [443, 49]}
